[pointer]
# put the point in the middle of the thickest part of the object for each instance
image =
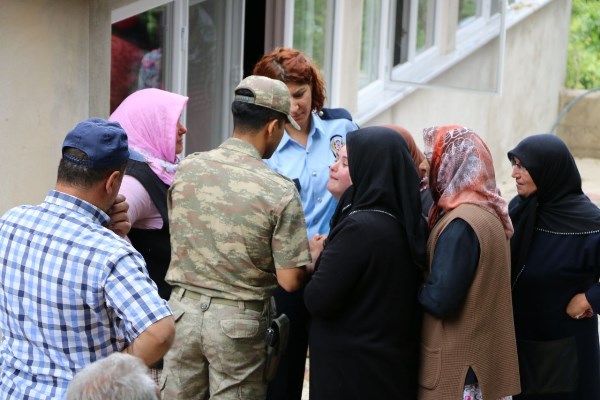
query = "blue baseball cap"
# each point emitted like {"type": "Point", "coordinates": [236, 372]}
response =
{"type": "Point", "coordinates": [104, 142]}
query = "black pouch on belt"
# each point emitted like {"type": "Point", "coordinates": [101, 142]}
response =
{"type": "Point", "coordinates": [276, 339]}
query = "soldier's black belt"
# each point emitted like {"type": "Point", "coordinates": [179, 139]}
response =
{"type": "Point", "coordinates": [254, 305]}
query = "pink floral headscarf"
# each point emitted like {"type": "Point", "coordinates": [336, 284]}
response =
{"type": "Point", "coordinates": [150, 116]}
{"type": "Point", "coordinates": [462, 171]}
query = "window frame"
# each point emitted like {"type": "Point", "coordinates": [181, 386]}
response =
{"type": "Point", "coordinates": [383, 94]}
{"type": "Point", "coordinates": [331, 39]}
{"type": "Point", "coordinates": [479, 7]}
{"type": "Point", "coordinates": [374, 58]}
{"type": "Point", "coordinates": [175, 64]}
{"type": "Point", "coordinates": [376, 86]}
{"type": "Point", "coordinates": [450, 38]}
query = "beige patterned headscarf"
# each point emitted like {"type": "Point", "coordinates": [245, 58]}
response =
{"type": "Point", "coordinates": [462, 171]}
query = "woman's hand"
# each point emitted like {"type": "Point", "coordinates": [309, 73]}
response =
{"type": "Point", "coordinates": [316, 247]}
{"type": "Point", "coordinates": [579, 307]}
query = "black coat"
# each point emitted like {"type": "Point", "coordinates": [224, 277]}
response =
{"type": "Point", "coordinates": [365, 330]}
{"type": "Point", "coordinates": [557, 268]}
{"type": "Point", "coordinates": [555, 255]}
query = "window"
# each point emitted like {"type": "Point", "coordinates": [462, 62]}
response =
{"type": "Point", "coordinates": [426, 39]}
{"type": "Point", "coordinates": [468, 10]}
{"type": "Point", "coordinates": [208, 109]}
{"type": "Point", "coordinates": [433, 35]}
{"type": "Point", "coordinates": [192, 47]}
{"type": "Point", "coordinates": [369, 48]}
{"type": "Point", "coordinates": [137, 52]}
{"type": "Point", "coordinates": [401, 32]}
{"type": "Point", "coordinates": [414, 29]}
{"type": "Point", "coordinates": [425, 25]}
{"type": "Point", "coordinates": [496, 5]}
{"type": "Point", "coordinates": [313, 30]}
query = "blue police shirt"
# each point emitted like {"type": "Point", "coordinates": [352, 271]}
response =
{"type": "Point", "coordinates": [309, 168]}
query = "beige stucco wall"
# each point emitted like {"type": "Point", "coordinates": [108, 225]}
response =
{"type": "Point", "coordinates": [579, 126]}
{"type": "Point", "coordinates": [52, 77]}
{"type": "Point", "coordinates": [55, 72]}
{"type": "Point", "coordinates": [535, 65]}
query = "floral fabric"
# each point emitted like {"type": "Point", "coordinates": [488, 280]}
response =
{"type": "Point", "coordinates": [473, 392]}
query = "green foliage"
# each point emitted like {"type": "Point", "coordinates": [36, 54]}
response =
{"type": "Point", "coordinates": [583, 62]}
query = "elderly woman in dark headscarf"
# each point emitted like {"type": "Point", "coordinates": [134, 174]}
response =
{"type": "Point", "coordinates": [556, 265]}
{"type": "Point", "coordinates": [364, 334]}
{"type": "Point", "coordinates": [468, 343]}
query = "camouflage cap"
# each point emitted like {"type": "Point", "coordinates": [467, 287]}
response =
{"type": "Point", "coordinates": [268, 93]}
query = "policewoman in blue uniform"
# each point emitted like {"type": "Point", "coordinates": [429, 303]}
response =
{"type": "Point", "coordinates": [304, 156]}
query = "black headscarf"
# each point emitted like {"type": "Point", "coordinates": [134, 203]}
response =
{"type": "Point", "coordinates": [343, 207]}
{"type": "Point", "coordinates": [558, 205]}
{"type": "Point", "coordinates": [384, 178]}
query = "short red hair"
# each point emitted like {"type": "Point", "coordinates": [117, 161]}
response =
{"type": "Point", "coordinates": [291, 65]}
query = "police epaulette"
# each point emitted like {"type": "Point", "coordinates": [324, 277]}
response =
{"type": "Point", "coordinates": [335, 113]}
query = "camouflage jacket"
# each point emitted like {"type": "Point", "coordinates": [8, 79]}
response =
{"type": "Point", "coordinates": [233, 221]}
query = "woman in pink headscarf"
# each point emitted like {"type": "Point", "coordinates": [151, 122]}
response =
{"type": "Point", "coordinates": [468, 341]}
{"type": "Point", "coordinates": [151, 118]}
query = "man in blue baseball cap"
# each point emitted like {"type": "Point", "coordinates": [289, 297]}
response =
{"type": "Point", "coordinates": [72, 291]}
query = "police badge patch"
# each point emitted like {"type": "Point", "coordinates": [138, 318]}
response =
{"type": "Point", "coordinates": [336, 143]}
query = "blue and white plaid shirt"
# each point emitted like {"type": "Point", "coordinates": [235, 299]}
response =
{"type": "Point", "coordinates": [71, 292]}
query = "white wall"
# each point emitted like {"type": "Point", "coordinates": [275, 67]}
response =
{"type": "Point", "coordinates": [535, 65]}
{"type": "Point", "coordinates": [48, 69]}
{"type": "Point", "coordinates": [579, 126]}
{"type": "Point", "coordinates": [55, 72]}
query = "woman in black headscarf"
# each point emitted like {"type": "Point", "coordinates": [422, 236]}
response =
{"type": "Point", "coordinates": [365, 329]}
{"type": "Point", "coordinates": [555, 255]}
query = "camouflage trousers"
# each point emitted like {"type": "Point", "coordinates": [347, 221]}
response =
{"type": "Point", "coordinates": [219, 350]}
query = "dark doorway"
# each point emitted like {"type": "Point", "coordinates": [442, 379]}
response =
{"type": "Point", "coordinates": [254, 33]}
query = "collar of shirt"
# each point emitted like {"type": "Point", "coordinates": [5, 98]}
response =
{"type": "Point", "coordinates": [241, 146]}
{"type": "Point", "coordinates": [77, 205]}
{"type": "Point", "coordinates": [316, 130]}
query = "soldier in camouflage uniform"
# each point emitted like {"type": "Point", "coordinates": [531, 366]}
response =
{"type": "Point", "coordinates": [237, 229]}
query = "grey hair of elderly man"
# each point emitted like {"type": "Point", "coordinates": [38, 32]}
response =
{"type": "Point", "coordinates": [118, 376]}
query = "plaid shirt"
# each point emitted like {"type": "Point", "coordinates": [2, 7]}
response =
{"type": "Point", "coordinates": [71, 292]}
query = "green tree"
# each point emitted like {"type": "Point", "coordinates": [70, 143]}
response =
{"type": "Point", "coordinates": [583, 62]}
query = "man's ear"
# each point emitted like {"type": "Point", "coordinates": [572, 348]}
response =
{"type": "Point", "coordinates": [272, 127]}
{"type": "Point", "coordinates": [113, 182]}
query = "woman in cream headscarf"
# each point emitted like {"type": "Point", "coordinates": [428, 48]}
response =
{"type": "Point", "coordinates": [468, 341]}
